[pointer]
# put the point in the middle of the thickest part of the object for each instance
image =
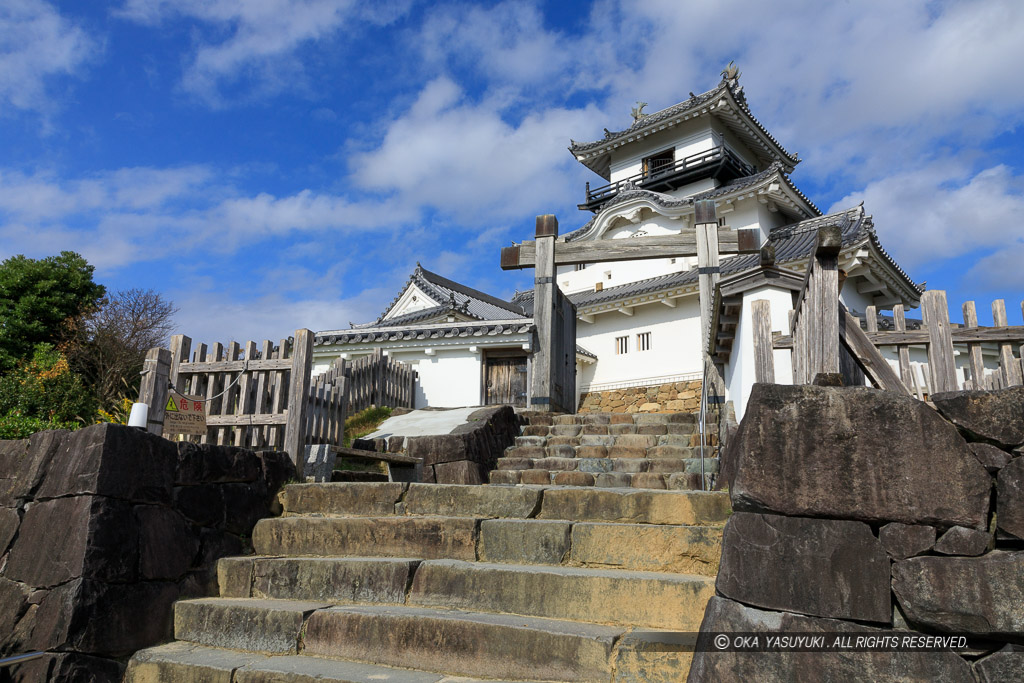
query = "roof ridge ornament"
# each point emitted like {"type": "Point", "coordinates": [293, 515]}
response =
{"type": "Point", "coordinates": [637, 112]}
{"type": "Point", "coordinates": [731, 77]}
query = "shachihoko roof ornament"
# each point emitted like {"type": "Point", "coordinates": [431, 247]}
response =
{"type": "Point", "coordinates": [637, 112]}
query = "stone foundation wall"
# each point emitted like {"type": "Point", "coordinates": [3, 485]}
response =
{"type": "Point", "coordinates": [102, 529]}
{"type": "Point", "coordinates": [862, 512]}
{"type": "Point", "coordinates": [677, 397]}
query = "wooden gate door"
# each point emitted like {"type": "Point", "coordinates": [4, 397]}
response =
{"type": "Point", "coordinates": [506, 381]}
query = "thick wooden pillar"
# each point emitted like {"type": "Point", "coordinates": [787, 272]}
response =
{"type": "Point", "coordinates": [544, 313]}
{"type": "Point", "coordinates": [708, 270]}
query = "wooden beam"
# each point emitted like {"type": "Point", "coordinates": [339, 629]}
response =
{"type": "Point", "coordinates": [589, 319]}
{"type": "Point", "coordinates": [866, 354]}
{"type": "Point", "coordinates": [541, 385]}
{"type": "Point", "coordinates": [625, 310]}
{"type": "Point", "coordinates": [669, 301]}
{"type": "Point", "coordinates": [657, 246]}
{"type": "Point", "coordinates": [764, 360]}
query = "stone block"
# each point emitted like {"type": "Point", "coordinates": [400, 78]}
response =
{"type": "Point", "coordinates": [667, 465]}
{"type": "Point", "coordinates": [459, 472]}
{"type": "Point", "coordinates": [332, 579]}
{"type": "Point", "coordinates": [635, 506]}
{"type": "Point", "coordinates": [724, 615]}
{"type": "Point", "coordinates": [594, 465]}
{"type": "Point", "coordinates": [592, 452]}
{"type": "Point", "coordinates": [995, 417]}
{"type": "Point", "coordinates": [536, 477]}
{"type": "Point", "coordinates": [824, 568]}
{"type": "Point", "coordinates": [425, 537]}
{"type": "Point", "coordinates": [648, 480]}
{"type": "Point", "coordinates": [878, 457]}
{"type": "Point", "coordinates": [516, 463]}
{"type": "Point", "coordinates": [647, 600]}
{"type": "Point", "coordinates": [906, 540]}
{"type": "Point", "coordinates": [597, 419]}
{"type": "Point", "coordinates": [364, 498]}
{"type": "Point", "coordinates": [24, 463]}
{"type": "Point", "coordinates": [202, 504]}
{"type": "Point", "coordinates": [234, 577]}
{"type": "Point", "coordinates": [504, 477]}
{"type": "Point", "coordinates": [244, 505]}
{"type": "Point", "coordinates": [618, 429]}
{"type": "Point", "coordinates": [1004, 666]}
{"type": "Point", "coordinates": [168, 545]}
{"type": "Point", "coordinates": [1010, 498]}
{"type": "Point", "coordinates": [630, 465]}
{"type": "Point", "coordinates": [594, 430]}
{"type": "Point", "coordinates": [565, 430]}
{"type": "Point", "coordinates": [14, 601]}
{"type": "Point", "coordinates": [68, 667]}
{"type": "Point", "coordinates": [470, 501]}
{"type": "Point", "coordinates": [627, 452]}
{"type": "Point", "coordinates": [112, 460]}
{"type": "Point", "coordinates": [266, 626]}
{"type": "Point", "coordinates": [10, 520]}
{"type": "Point", "coordinates": [613, 480]}
{"type": "Point", "coordinates": [560, 451]}
{"type": "Point", "coordinates": [524, 541]}
{"type": "Point", "coordinates": [573, 479]}
{"type": "Point", "coordinates": [961, 541]}
{"type": "Point", "coordinates": [182, 662]}
{"type": "Point", "coordinates": [979, 595]}
{"type": "Point", "coordinates": [685, 481]}
{"type": "Point", "coordinates": [597, 440]}
{"type": "Point", "coordinates": [556, 463]}
{"type": "Point", "coordinates": [652, 430]}
{"type": "Point", "coordinates": [647, 547]}
{"type": "Point", "coordinates": [994, 459]}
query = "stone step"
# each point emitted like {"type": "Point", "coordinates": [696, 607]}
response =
{"type": "Point", "coordinates": [601, 545]}
{"type": "Point", "coordinates": [622, 478]}
{"type": "Point", "coordinates": [181, 661]}
{"type": "Point", "coordinates": [334, 580]}
{"type": "Point", "coordinates": [627, 598]}
{"type": "Point", "coordinates": [635, 506]}
{"type": "Point", "coordinates": [413, 536]}
{"type": "Point", "coordinates": [464, 642]}
{"type": "Point", "coordinates": [264, 626]}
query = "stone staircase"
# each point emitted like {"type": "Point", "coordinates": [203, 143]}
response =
{"type": "Point", "coordinates": [639, 450]}
{"type": "Point", "coordinates": [418, 583]}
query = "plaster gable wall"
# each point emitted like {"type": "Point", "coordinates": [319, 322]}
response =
{"type": "Point", "coordinates": [675, 343]}
{"type": "Point", "coordinates": [413, 299]}
{"type": "Point", "coordinates": [689, 137]}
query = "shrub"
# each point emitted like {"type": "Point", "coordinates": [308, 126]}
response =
{"type": "Point", "coordinates": [46, 389]}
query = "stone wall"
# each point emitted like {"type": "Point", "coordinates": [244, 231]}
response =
{"type": "Point", "coordinates": [464, 456]}
{"type": "Point", "coordinates": [102, 529]}
{"type": "Point", "coordinates": [859, 511]}
{"type": "Point", "coordinates": [678, 397]}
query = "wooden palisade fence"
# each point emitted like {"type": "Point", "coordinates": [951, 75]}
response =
{"type": "Point", "coordinates": [378, 380]}
{"type": "Point", "coordinates": [256, 396]}
{"type": "Point", "coordinates": [826, 340]}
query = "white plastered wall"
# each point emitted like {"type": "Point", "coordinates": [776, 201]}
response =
{"type": "Point", "coordinates": [739, 372]}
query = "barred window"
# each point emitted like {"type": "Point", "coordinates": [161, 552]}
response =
{"type": "Point", "coordinates": [621, 345]}
{"type": "Point", "coordinates": [643, 341]}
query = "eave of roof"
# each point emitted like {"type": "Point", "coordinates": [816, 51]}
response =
{"type": "Point", "coordinates": [595, 155]}
{"type": "Point", "coordinates": [490, 328]}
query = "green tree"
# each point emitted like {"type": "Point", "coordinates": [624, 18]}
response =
{"type": "Point", "coordinates": [39, 298]}
{"type": "Point", "coordinates": [45, 388]}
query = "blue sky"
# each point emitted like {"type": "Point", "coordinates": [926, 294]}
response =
{"type": "Point", "coordinates": [269, 165]}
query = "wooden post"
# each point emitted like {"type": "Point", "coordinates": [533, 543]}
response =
{"type": "Point", "coordinates": [976, 360]}
{"type": "Point", "coordinates": [708, 269]}
{"type": "Point", "coordinates": [544, 313]}
{"type": "Point", "coordinates": [181, 348]}
{"type": "Point", "coordinates": [822, 308]}
{"type": "Point", "coordinates": [246, 396]}
{"type": "Point", "coordinates": [764, 362]}
{"type": "Point", "coordinates": [1009, 368]}
{"type": "Point", "coordinates": [899, 322]}
{"type": "Point", "coordinates": [941, 368]}
{"type": "Point", "coordinates": [153, 387]}
{"type": "Point", "coordinates": [298, 400]}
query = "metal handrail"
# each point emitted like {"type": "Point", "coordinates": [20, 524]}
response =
{"type": "Point", "coordinates": [667, 168]}
{"type": "Point", "coordinates": [18, 659]}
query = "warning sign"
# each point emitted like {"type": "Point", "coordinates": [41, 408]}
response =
{"type": "Point", "coordinates": [184, 415]}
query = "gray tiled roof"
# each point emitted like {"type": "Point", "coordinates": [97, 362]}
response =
{"type": "Point", "coordinates": [410, 332]}
{"type": "Point", "coordinates": [792, 242]}
{"type": "Point", "coordinates": [693, 103]}
{"type": "Point", "coordinates": [668, 201]}
{"type": "Point", "coordinates": [452, 296]}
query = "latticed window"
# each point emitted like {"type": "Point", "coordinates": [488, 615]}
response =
{"type": "Point", "coordinates": [621, 345]}
{"type": "Point", "coordinates": [643, 341]}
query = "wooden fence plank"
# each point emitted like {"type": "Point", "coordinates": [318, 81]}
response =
{"type": "Point", "coordinates": [975, 359]}
{"type": "Point", "coordinates": [246, 398]}
{"type": "Point", "coordinates": [764, 360]}
{"type": "Point", "coordinates": [153, 387]}
{"type": "Point", "coordinates": [899, 323]}
{"type": "Point", "coordinates": [941, 366]}
{"type": "Point", "coordinates": [298, 398]}
{"type": "Point", "coordinates": [1009, 368]}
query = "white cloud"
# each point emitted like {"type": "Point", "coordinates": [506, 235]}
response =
{"type": "Point", "coordinates": [255, 38]}
{"type": "Point", "coordinates": [1002, 272]}
{"type": "Point", "coordinates": [37, 45]}
{"type": "Point", "coordinates": [943, 212]}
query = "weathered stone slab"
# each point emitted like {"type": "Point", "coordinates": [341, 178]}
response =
{"type": "Point", "coordinates": [613, 479]}
{"type": "Point", "coordinates": [651, 657]}
{"type": "Point", "coordinates": [112, 460]}
{"type": "Point", "coordinates": [13, 602]}
{"type": "Point", "coordinates": [425, 537]}
{"type": "Point", "coordinates": [784, 667]}
{"type": "Point", "coordinates": [266, 626]}
{"type": "Point", "coordinates": [636, 506]}
{"type": "Point", "coordinates": [332, 579]}
{"type": "Point", "coordinates": [9, 522]}
{"type": "Point", "coordinates": [824, 568]}
{"type": "Point", "coordinates": [853, 453]}
{"type": "Point", "coordinates": [182, 662]}
{"type": "Point", "coordinates": [234, 576]}
{"type": "Point", "coordinates": [68, 667]}
{"type": "Point", "coordinates": [573, 478]}
{"type": "Point", "coordinates": [993, 416]}
{"type": "Point", "coordinates": [994, 459]}
{"type": "Point", "coordinates": [980, 595]}
{"type": "Point", "coordinates": [306, 669]}
{"type": "Point", "coordinates": [647, 599]}
{"type": "Point", "coordinates": [961, 541]}
{"type": "Point", "coordinates": [494, 645]}
{"type": "Point", "coordinates": [24, 462]}
{"type": "Point", "coordinates": [459, 472]}
{"type": "Point", "coordinates": [1005, 666]}
{"type": "Point", "coordinates": [1010, 498]}
{"type": "Point", "coordinates": [906, 540]}
{"type": "Point", "coordinates": [524, 541]}
{"type": "Point", "coordinates": [647, 547]}
{"type": "Point", "coordinates": [470, 501]}
{"type": "Point", "coordinates": [167, 543]}
{"type": "Point", "coordinates": [356, 498]}
{"type": "Point", "coordinates": [504, 477]}
{"type": "Point", "coordinates": [536, 477]}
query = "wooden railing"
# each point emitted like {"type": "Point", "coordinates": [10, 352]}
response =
{"type": "Point", "coordinates": [378, 380]}
{"type": "Point", "coordinates": [667, 168]}
{"type": "Point", "coordinates": [829, 345]}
